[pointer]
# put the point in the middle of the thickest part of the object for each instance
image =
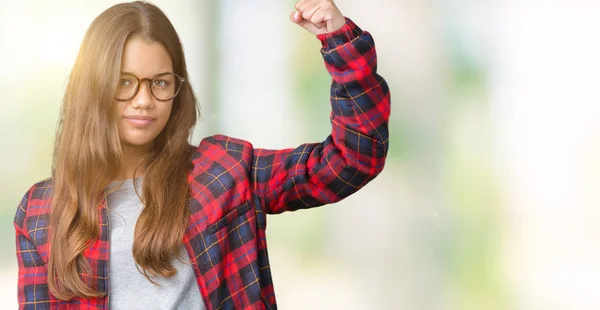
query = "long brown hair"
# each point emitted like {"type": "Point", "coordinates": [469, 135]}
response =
{"type": "Point", "coordinates": [88, 155]}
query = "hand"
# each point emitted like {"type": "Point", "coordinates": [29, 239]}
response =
{"type": "Point", "coordinates": [318, 16]}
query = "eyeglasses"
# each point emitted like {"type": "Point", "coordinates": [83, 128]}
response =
{"type": "Point", "coordinates": [163, 87]}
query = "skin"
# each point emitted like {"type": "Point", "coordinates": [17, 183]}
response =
{"type": "Point", "coordinates": [144, 59]}
{"type": "Point", "coordinates": [147, 59]}
{"type": "Point", "coordinates": [318, 16]}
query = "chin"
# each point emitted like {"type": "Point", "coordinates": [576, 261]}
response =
{"type": "Point", "coordinates": [137, 142]}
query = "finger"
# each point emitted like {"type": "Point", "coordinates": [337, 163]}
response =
{"type": "Point", "coordinates": [318, 18]}
{"type": "Point", "coordinates": [296, 17]}
{"type": "Point", "coordinates": [309, 11]}
{"type": "Point", "coordinates": [300, 5]}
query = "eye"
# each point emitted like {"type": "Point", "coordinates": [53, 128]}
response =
{"type": "Point", "coordinates": [160, 83]}
{"type": "Point", "coordinates": [125, 82]}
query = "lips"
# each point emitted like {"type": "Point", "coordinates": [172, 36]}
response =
{"type": "Point", "coordinates": [139, 121]}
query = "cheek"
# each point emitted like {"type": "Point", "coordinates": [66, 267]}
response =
{"type": "Point", "coordinates": [165, 112]}
{"type": "Point", "coordinates": [162, 116]}
{"type": "Point", "coordinates": [118, 109]}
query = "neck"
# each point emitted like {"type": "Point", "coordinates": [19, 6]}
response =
{"type": "Point", "coordinates": [132, 156]}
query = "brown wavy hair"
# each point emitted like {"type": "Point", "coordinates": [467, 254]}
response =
{"type": "Point", "coordinates": [88, 155]}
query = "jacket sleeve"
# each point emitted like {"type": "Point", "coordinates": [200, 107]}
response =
{"type": "Point", "coordinates": [32, 286]}
{"type": "Point", "coordinates": [354, 153]}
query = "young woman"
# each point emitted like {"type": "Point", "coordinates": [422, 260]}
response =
{"type": "Point", "coordinates": [134, 217]}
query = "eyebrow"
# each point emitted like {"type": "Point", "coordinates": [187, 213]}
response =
{"type": "Point", "coordinates": [124, 72]}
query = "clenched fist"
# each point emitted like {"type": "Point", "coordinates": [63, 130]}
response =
{"type": "Point", "coordinates": [318, 16]}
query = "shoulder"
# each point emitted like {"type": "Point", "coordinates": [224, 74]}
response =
{"type": "Point", "coordinates": [36, 201]}
{"type": "Point", "coordinates": [220, 174]}
{"type": "Point", "coordinates": [216, 146]}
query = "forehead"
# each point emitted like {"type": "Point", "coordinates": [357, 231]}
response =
{"type": "Point", "coordinates": [145, 58]}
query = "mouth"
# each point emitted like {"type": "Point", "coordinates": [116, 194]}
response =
{"type": "Point", "coordinates": [139, 121]}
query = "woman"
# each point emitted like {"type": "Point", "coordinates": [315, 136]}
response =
{"type": "Point", "coordinates": [135, 217]}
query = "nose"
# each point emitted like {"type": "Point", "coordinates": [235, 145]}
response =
{"type": "Point", "coordinates": [143, 99]}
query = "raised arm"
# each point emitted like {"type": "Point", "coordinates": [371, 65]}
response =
{"type": "Point", "coordinates": [354, 153]}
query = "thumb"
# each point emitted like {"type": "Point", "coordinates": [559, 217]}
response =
{"type": "Point", "coordinates": [296, 18]}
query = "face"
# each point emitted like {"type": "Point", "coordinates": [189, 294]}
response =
{"type": "Point", "coordinates": [141, 118]}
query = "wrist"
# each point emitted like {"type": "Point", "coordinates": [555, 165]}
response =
{"type": "Point", "coordinates": [340, 36]}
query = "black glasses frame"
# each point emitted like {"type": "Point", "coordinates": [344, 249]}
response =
{"type": "Point", "coordinates": [140, 81]}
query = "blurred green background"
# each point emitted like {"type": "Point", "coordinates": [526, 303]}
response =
{"type": "Point", "coordinates": [489, 197]}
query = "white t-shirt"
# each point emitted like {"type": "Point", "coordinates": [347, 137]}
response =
{"type": "Point", "coordinates": [128, 288]}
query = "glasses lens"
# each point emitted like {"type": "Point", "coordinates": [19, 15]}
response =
{"type": "Point", "coordinates": [165, 86]}
{"type": "Point", "coordinates": [127, 87]}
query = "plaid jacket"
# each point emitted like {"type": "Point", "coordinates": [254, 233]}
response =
{"type": "Point", "coordinates": [234, 185]}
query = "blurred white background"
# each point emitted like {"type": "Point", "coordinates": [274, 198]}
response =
{"type": "Point", "coordinates": [489, 199]}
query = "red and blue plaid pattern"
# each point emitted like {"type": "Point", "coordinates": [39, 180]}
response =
{"type": "Point", "coordinates": [232, 188]}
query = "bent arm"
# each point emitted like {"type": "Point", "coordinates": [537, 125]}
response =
{"type": "Point", "coordinates": [354, 153]}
